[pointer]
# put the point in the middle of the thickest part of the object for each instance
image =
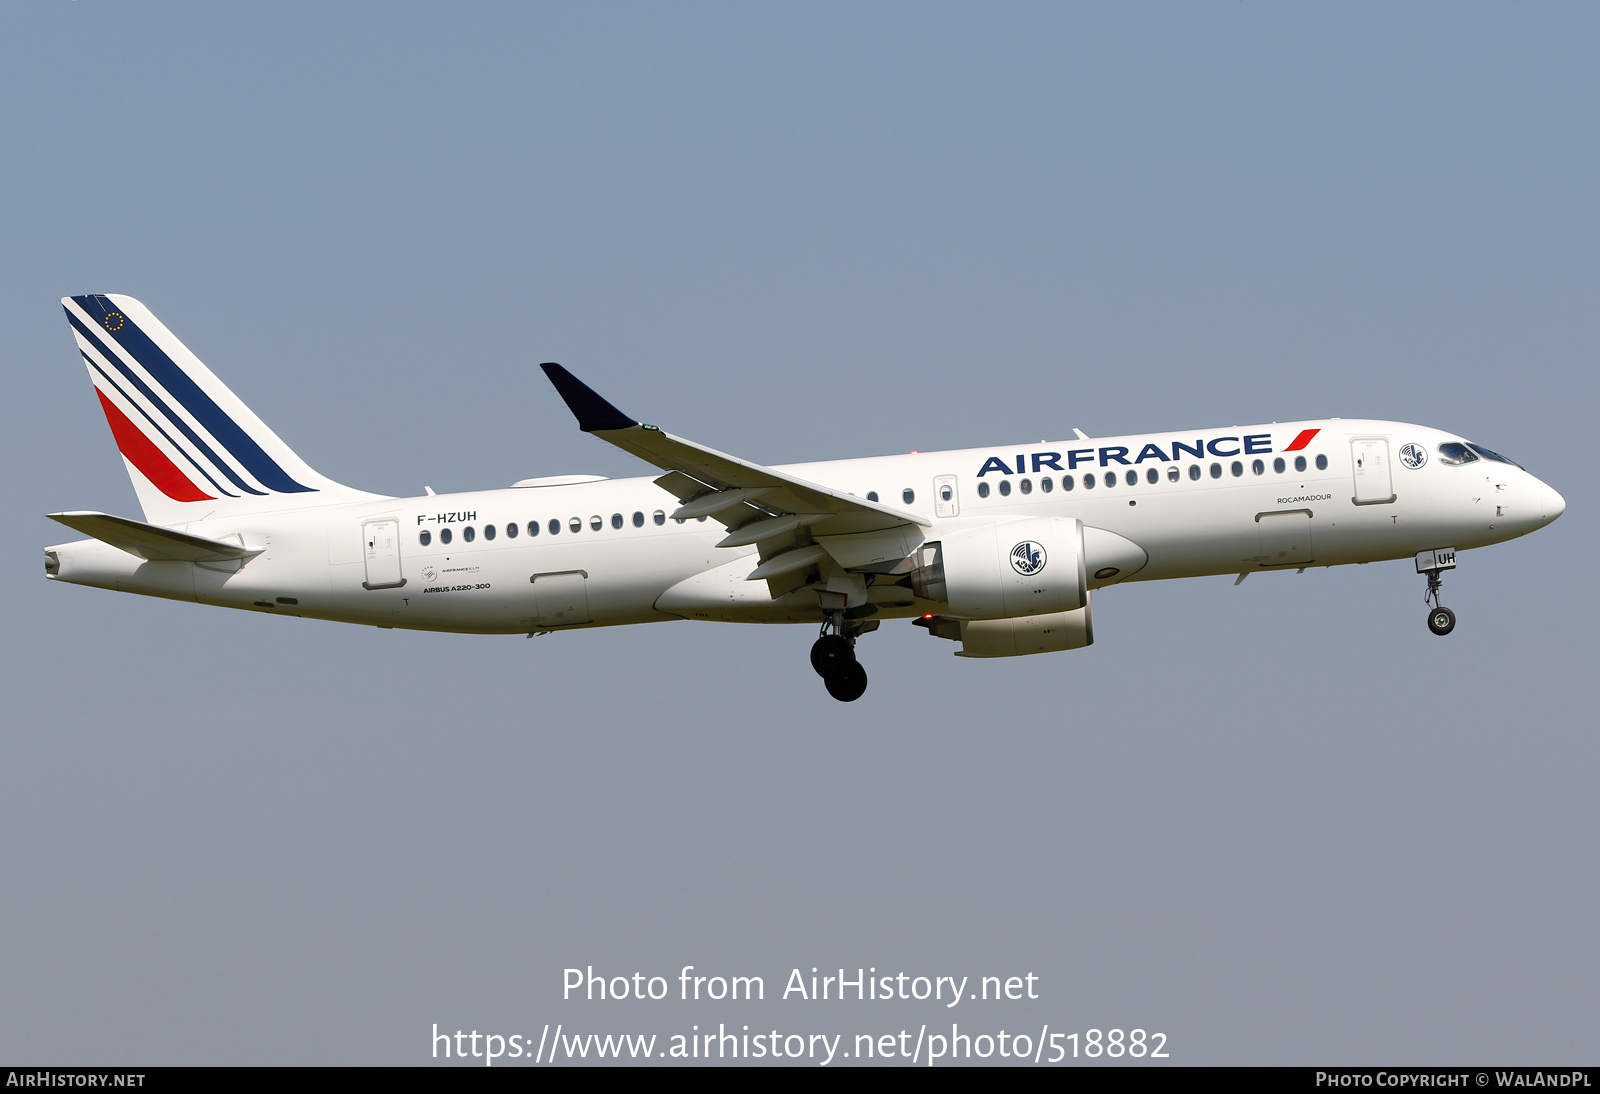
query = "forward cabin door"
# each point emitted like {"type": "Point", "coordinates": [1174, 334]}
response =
{"type": "Point", "coordinates": [380, 543]}
{"type": "Point", "coordinates": [1369, 457]}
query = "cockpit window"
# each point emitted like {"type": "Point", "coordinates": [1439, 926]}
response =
{"type": "Point", "coordinates": [1456, 452]}
{"type": "Point", "coordinates": [1488, 455]}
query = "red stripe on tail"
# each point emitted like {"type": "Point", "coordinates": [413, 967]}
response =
{"type": "Point", "coordinates": [1301, 441]}
{"type": "Point", "coordinates": [150, 460]}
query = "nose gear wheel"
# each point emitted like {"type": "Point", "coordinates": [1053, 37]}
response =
{"type": "Point", "coordinates": [1441, 621]}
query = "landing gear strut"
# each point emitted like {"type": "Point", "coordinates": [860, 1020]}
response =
{"type": "Point", "coordinates": [1441, 620]}
{"type": "Point", "coordinates": [833, 656]}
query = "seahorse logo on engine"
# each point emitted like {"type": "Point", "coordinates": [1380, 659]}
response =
{"type": "Point", "coordinates": [1027, 558]}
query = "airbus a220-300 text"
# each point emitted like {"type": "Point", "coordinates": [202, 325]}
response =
{"type": "Point", "coordinates": [998, 550]}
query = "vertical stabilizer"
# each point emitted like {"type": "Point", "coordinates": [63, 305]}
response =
{"type": "Point", "coordinates": [192, 448]}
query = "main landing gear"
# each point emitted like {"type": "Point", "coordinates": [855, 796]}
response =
{"type": "Point", "coordinates": [833, 655]}
{"type": "Point", "coordinates": [1441, 620]}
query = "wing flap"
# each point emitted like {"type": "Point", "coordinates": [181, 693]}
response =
{"type": "Point", "coordinates": [779, 493]}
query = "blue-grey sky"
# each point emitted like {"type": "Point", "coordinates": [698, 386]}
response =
{"type": "Point", "coordinates": [1280, 823]}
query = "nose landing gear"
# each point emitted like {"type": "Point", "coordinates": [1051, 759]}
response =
{"type": "Point", "coordinates": [833, 656]}
{"type": "Point", "coordinates": [1441, 620]}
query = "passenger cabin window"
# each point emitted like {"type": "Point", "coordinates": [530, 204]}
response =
{"type": "Point", "coordinates": [616, 520]}
{"type": "Point", "coordinates": [1152, 475]}
{"type": "Point", "coordinates": [468, 534]}
{"type": "Point", "coordinates": [555, 526]}
{"type": "Point", "coordinates": [1455, 452]}
{"type": "Point", "coordinates": [511, 531]}
{"type": "Point", "coordinates": [659, 517]}
{"type": "Point", "coordinates": [596, 522]}
{"type": "Point", "coordinates": [983, 490]}
{"type": "Point", "coordinates": [444, 535]}
{"type": "Point", "coordinates": [1068, 482]}
{"type": "Point", "coordinates": [1026, 486]}
{"type": "Point", "coordinates": [1172, 474]}
{"type": "Point", "coordinates": [1299, 463]}
{"type": "Point", "coordinates": [533, 527]}
{"type": "Point", "coordinates": [638, 520]}
{"type": "Point", "coordinates": [1110, 478]}
{"type": "Point", "coordinates": [1194, 471]}
{"type": "Point", "coordinates": [1237, 468]}
{"type": "Point", "coordinates": [1279, 466]}
{"type": "Point", "coordinates": [1088, 481]}
{"type": "Point", "coordinates": [1216, 471]}
{"type": "Point", "coordinates": [872, 495]}
{"type": "Point", "coordinates": [425, 537]}
{"type": "Point", "coordinates": [488, 531]}
{"type": "Point", "coordinates": [1131, 478]}
{"type": "Point", "coordinates": [1005, 488]}
{"type": "Point", "coordinates": [1322, 463]}
{"type": "Point", "coordinates": [1258, 467]}
{"type": "Point", "coordinates": [1047, 484]}
{"type": "Point", "coordinates": [908, 495]}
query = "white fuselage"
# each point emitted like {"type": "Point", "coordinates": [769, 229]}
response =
{"type": "Point", "coordinates": [318, 561]}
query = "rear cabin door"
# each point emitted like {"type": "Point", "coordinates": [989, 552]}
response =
{"type": "Point", "coordinates": [1369, 457]}
{"type": "Point", "coordinates": [380, 542]}
{"type": "Point", "coordinates": [560, 600]}
{"type": "Point", "coordinates": [945, 502]}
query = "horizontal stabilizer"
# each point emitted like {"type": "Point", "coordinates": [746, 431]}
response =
{"type": "Point", "coordinates": [151, 543]}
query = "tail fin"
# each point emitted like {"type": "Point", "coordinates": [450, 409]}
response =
{"type": "Point", "coordinates": [192, 447]}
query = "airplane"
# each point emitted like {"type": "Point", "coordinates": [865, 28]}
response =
{"type": "Point", "coordinates": [998, 550]}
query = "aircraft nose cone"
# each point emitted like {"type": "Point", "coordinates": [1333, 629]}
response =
{"type": "Point", "coordinates": [1551, 504]}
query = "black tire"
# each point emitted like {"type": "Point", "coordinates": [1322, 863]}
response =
{"type": "Point", "coordinates": [830, 654]}
{"type": "Point", "coordinates": [1441, 621]}
{"type": "Point", "coordinates": [847, 684]}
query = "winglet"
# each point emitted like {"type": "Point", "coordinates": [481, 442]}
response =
{"type": "Point", "coordinates": [593, 412]}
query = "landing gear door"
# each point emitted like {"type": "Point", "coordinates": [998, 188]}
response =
{"type": "Point", "coordinates": [1369, 457]}
{"type": "Point", "coordinates": [1285, 537]}
{"type": "Point", "coordinates": [945, 501]}
{"type": "Point", "coordinates": [380, 545]}
{"type": "Point", "coordinates": [560, 600]}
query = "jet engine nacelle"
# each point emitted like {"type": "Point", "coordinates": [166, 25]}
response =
{"type": "Point", "coordinates": [1032, 567]}
{"type": "Point", "coordinates": [1029, 634]}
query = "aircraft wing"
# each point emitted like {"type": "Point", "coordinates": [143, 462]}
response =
{"type": "Point", "coordinates": [151, 542]}
{"type": "Point", "coordinates": [756, 504]}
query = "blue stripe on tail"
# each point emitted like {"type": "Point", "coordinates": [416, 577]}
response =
{"type": "Point", "coordinates": [156, 400]}
{"type": "Point", "coordinates": [182, 388]}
